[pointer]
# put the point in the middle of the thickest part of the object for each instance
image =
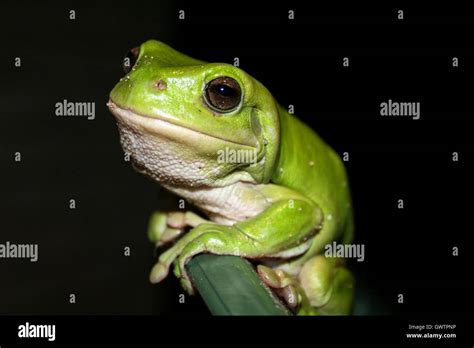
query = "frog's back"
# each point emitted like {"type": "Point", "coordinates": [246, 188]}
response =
{"type": "Point", "coordinates": [308, 165]}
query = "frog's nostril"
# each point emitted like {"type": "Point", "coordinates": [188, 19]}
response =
{"type": "Point", "coordinates": [160, 84]}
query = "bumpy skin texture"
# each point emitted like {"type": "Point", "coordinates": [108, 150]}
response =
{"type": "Point", "coordinates": [281, 209]}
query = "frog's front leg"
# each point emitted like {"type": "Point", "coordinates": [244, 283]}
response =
{"type": "Point", "coordinates": [165, 227]}
{"type": "Point", "coordinates": [283, 226]}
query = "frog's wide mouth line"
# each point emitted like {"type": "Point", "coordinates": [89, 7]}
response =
{"type": "Point", "coordinates": [163, 126]}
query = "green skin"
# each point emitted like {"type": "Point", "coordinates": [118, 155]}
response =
{"type": "Point", "coordinates": [282, 209]}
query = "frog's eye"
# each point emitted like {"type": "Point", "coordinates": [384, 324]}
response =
{"type": "Point", "coordinates": [130, 59]}
{"type": "Point", "coordinates": [223, 94]}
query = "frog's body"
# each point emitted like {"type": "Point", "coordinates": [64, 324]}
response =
{"type": "Point", "coordinates": [177, 115]}
{"type": "Point", "coordinates": [320, 175]}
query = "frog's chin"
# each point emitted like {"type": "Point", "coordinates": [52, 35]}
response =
{"type": "Point", "coordinates": [173, 154]}
{"type": "Point", "coordinates": [163, 127]}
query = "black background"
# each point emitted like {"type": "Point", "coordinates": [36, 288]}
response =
{"type": "Point", "coordinates": [408, 251]}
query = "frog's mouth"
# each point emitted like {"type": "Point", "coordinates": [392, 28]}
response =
{"type": "Point", "coordinates": [161, 125]}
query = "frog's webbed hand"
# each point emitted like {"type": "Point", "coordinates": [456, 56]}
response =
{"type": "Point", "coordinates": [284, 225]}
{"type": "Point", "coordinates": [165, 227]}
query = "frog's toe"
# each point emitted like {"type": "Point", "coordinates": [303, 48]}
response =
{"type": "Point", "coordinates": [269, 276]}
{"type": "Point", "coordinates": [185, 281]}
{"type": "Point", "coordinates": [156, 226]}
{"type": "Point", "coordinates": [166, 227]}
{"type": "Point", "coordinates": [290, 295]}
{"type": "Point", "coordinates": [176, 219]}
{"type": "Point", "coordinates": [169, 235]}
{"type": "Point", "coordinates": [282, 284]}
{"type": "Point", "coordinates": [187, 285]}
{"type": "Point", "coordinates": [274, 278]}
{"type": "Point", "coordinates": [158, 273]}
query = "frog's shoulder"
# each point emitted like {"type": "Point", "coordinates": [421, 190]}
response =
{"type": "Point", "coordinates": [306, 163]}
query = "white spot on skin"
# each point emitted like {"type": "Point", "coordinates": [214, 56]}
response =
{"type": "Point", "coordinates": [329, 217]}
{"type": "Point", "coordinates": [311, 163]}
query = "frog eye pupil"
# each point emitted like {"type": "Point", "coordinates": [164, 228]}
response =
{"type": "Point", "coordinates": [225, 91]}
{"type": "Point", "coordinates": [223, 94]}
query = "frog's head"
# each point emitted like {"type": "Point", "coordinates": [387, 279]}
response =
{"type": "Point", "coordinates": [187, 122]}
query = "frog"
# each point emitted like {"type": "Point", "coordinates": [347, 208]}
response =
{"type": "Point", "coordinates": [277, 198]}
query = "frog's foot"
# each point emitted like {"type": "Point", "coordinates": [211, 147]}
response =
{"type": "Point", "coordinates": [205, 238]}
{"type": "Point", "coordinates": [166, 227]}
{"type": "Point", "coordinates": [282, 284]}
{"type": "Point", "coordinates": [328, 285]}
{"type": "Point", "coordinates": [252, 238]}
{"type": "Point", "coordinates": [161, 268]}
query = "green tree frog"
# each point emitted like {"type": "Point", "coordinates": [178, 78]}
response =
{"type": "Point", "coordinates": [270, 188]}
